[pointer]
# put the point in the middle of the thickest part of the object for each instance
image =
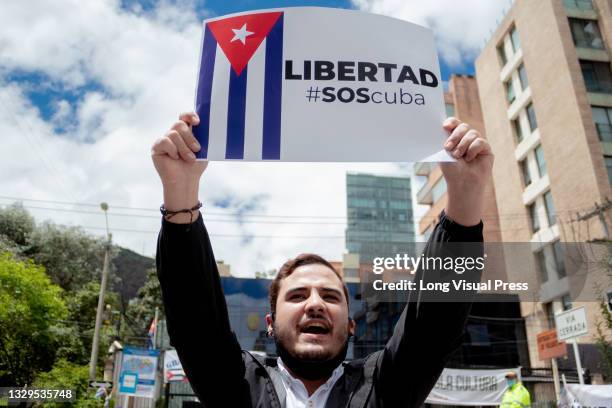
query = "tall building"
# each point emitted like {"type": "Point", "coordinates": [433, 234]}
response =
{"type": "Point", "coordinates": [545, 86]}
{"type": "Point", "coordinates": [463, 102]}
{"type": "Point", "coordinates": [379, 216]}
{"type": "Point", "coordinates": [495, 330]}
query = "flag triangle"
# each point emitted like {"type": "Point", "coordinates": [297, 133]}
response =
{"type": "Point", "coordinates": [240, 36]}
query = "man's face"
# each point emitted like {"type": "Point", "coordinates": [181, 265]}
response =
{"type": "Point", "coordinates": [312, 314]}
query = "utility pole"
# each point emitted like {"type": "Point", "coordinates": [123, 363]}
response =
{"type": "Point", "coordinates": [599, 211]}
{"type": "Point", "coordinates": [155, 323]}
{"type": "Point", "coordinates": [96, 339]}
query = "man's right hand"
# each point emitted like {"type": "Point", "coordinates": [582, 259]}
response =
{"type": "Point", "coordinates": [175, 162]}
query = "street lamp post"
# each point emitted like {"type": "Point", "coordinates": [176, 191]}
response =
{"type": "Point", "coordinates": [96, 339]}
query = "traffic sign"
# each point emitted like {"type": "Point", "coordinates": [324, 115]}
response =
{"type": "Point", "coordinates": [98, 384]}
{"type": "Point", "coordinates": [549, 347]}
{"type": "Point", "coordinates": [571, 324]}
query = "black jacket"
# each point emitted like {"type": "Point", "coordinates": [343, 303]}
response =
{"type": "Point", "coordinates": [222, 375]}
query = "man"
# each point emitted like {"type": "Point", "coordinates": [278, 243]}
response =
{"type": "Point", "coordinates": [516, 396]}
{"type": "Point", "coordinates": [309, 303]}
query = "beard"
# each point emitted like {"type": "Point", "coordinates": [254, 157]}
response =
{"type": "Point", "coordinates": [310, 365]}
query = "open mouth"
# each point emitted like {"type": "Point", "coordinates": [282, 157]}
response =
{"type": "Point", "coordinates": [315, 328]}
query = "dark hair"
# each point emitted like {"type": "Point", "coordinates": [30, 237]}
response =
{"type": "Point", "coordinates": [290, 266]}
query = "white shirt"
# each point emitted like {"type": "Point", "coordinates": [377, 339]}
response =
{"type": "Point", "coordinates": [297, 395]}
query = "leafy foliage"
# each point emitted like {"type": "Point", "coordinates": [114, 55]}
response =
{"type": "Point", "coordinates": [72, 257]}
{"type": "Point", "coordinates": [141, 311]}
{"type": "Point", "coordinates": [16, 224]}
{"type": "Point", "coordinates": [31, 310]}
{"type": "Point", "coordinates": [603, 344]}
{"type": "Point", "coordinates": [68, 376]}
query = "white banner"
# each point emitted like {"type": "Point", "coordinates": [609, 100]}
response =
{"type": "Point", "coordinates": [173, 370]}
{"type": "Point", "coordinates": [318, 84]}
{"type": "Point", "coordinates": [586, 396]}
{"type": "Point", "coordinates": [470, 387]}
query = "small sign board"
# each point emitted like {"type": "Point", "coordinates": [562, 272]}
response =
{"type": "Point", "coordinates": [129, 381]}
{"type": "Point", "coordinates": [549, 347]}
{"type": "Point", "coordinates": [571, 324]}
{"type": "Point", "coordinates": [98, 384]}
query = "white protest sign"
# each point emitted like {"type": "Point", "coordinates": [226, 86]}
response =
{"type": "Point", "coordinates": [571, 323]}
{"type": "Point", "coordinates": [315, 84]}
{"type": "Point", "coordinates": [470, 387]}
{"type": "Point", "coordinates": [586, 396]}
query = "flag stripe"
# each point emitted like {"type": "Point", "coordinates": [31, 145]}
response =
{"type": "Point", "coordinates": [207, 67]}
{"type": "Point", "coordinates": [273, 92]}
{"type": "Point", "coordinates": [236, 106]}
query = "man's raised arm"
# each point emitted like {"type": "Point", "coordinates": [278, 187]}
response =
{"type": "Point", "coordinates": [194, 303]}
{"type": "Point", "coordinates": [428, 332]}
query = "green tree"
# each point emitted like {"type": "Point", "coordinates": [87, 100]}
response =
{"type": "Point", "coordinates": [603, 344]}
{"type": "Point", "coordinates": [71, 257]}
{"type": "Point", "coordinates": [82, 307]}
{"type": "Point", "coordinates": [16, 225]}
{"type": "Point", "coordinates": [68, 376]}
{"type": "Point", "coordinates": [31, 313]}
{"type": "Point", "coordinates": [141, 310]}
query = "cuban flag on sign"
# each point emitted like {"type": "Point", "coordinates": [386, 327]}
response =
{"type": "Point", "coordinates": [240, 80]}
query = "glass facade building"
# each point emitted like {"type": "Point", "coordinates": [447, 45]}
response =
{"type": "Point", "coordinates": [379, 216]}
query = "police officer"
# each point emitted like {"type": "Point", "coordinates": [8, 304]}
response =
{"type": "Point", "coordinates": [516, 396]}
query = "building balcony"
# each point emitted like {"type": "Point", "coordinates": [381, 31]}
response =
{"type": "Point", "coordinates": [422, 169]}
{"type": "Point", "coordinates": [580, 9]}
{"type": "Point", "coordinates": [579, 4]}
{"type": "Point", "coordinates": [425, 196]}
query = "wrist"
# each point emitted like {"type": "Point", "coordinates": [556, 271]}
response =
{"type": "Point", "coordinates": [465, 207]}
{"type": "Point", "coordinates": [182, 216]}
{"type": "Point", "coordinates": [178, 196]}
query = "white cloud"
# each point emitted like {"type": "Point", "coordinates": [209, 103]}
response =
{"type": "Point", "coordinates": [460, 27]}
{"type": "Point", "coordinates": [143, 65]}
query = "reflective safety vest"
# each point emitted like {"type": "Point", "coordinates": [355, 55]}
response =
{"type": "Point", "coordinates": [516, 397]}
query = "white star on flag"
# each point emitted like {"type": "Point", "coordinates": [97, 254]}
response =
{"type": "Point", "coordinates": [241, 34]}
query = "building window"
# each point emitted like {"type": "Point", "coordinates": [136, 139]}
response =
{"type": "Point", "coordinates": [586, 33]}
{"type": "Point", "coordinates": [535, 221]}
{"type": "Point", "coordinates": [516, 123]}
{"type": "Point", "coordinates": [502, 54]}
{"type": "Point", "coordinates": [579, 4]}
{"type": "Point", "coordinates": [608, 160]}
{"type": "Point", "coordinates": [559, 254]}
{"type": "Point", "coordinates": [539, 155]}
{"type": "Point", "coordinates": [510, 92]}
{"type": "Point", "coordinates": [603, 123]}
{"type": "Point", "coordinates": [541, 264]}
{"type": "Point", "coordinates": [533, 123]}
{"type": "Point", "coordinates": [525, 170]}
{"type": "Point", "coordinates": [523, 77]}
{"type": "Point", "coordinates": [597, 76]}
{"type": "Point", "coordinates": [550, 208]}
{"type": "Point", "coordinates": [516, 45]}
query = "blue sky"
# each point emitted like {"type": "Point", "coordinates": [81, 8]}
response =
{"type": "Point", "coordinates": [45, 93]}
{"type": "Point", "coordinates": [87, 86]}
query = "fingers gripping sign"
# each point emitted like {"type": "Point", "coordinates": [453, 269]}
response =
{"type": "Point", "coordinates": [174, 159]}
{"type": "Point", "coordinates": [467, 177]}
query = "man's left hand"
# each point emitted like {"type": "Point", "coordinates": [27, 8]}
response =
{"type": "Point", "coordinates": [466, 178]}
